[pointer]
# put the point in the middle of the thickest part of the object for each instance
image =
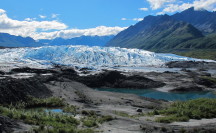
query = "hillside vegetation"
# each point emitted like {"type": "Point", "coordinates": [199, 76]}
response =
{"type": "Point", "coordinates": [172, 34]}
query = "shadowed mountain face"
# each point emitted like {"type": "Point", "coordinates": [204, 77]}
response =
{"type": "Point", "coordinates": [156, 32]}
{"type": "Point", "coordinates": [7, 40]}
{"type": "Point", "coordinates": [181, 32]}
{"type": "Point", "coordinates": [203, 20]}
{"type": "Point", "coordinates": [83, 40]}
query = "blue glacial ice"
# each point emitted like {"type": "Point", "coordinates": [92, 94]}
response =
{"type": "Point", "coordinates": [85, 56]}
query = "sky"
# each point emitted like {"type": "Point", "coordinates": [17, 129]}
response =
{"type": "Point", "coordinates": [49, 19]}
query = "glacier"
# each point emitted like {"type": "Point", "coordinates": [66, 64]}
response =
{"type": "Point", "coordinates": [84, 56]}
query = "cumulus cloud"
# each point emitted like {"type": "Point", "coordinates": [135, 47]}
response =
{"type": "Point", "coordinates": [41, 29]}
{"type": "Point", "coordinates": [28, 27]}
{"type": "Point", "coordinates": [71, 33]}
{"type": "Point", "coordinates": [197, 4]}
{"type": "Point", "coordinates": [143, 9]}
{"type": "Point", "coordinates": [42, 16]}
{"type": "Point", "coordinates": [2, 11]}
{"type": "Point", "coordinates": [30, 19]}
{"type": "Point", "coordinates": [156, 4]}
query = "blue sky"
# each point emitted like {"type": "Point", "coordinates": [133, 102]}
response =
{"type": "Point", "coordinates": [47, 19]}
{"type": "Point", "coordinates": [79, 13]}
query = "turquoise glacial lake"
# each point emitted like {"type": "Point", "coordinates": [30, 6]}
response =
{"type": "Point", "coordinates": [170, 96]}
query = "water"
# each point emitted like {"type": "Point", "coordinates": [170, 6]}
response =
{"type": "Point", "coordinates": [170, 96]}
{"type": "Point", "coordinates": [55, 110]}
{"type": "Point", "coordinates": [42, 109]}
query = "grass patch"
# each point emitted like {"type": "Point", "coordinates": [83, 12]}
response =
{"type": "Point", "coordinates": [106, 118]}
{"type": "Point", "coordinates": [94, 121]}
{"type": "Point", "coordinates": [209, 78]}
{"type": "Point", "coordinates": [192, 109]}
{"type": "Point", "coordinates": [90, 122]}
{"type": "Point", "coordinates": [199, 53]}
{"type": "Point", "coordinates": [123, 114]}
{"type": "Point", "coordinates": [91, 119]}
{"type": "Point", "coordinates": [70, 109]}
{"type": "Point", "coordinates": [41, 118]}
{"type": "Point", "coordinates": [49, 122]}
{"type": "Point", "coordinates": [33, 102]}
{"type": "Point", "coordinates": [88, 112]}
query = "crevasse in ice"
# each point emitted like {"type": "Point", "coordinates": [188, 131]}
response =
{"type": "Point", "coordinates": [85, 56]}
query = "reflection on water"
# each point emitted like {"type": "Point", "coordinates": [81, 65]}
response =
{"type": "Point", "coordinates": [162, 95]}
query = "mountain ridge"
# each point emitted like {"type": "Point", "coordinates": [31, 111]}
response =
{"type": "Point", "coordinates": [156, 32]}
{"type": "Point", "coordinates": [203, 20]}
{"type": "Point", "coordinates": [7, 40]}
{"type": "Point", "coordinates": [82, 40]}
{"type": "Point", "coordinates": [164, 33]}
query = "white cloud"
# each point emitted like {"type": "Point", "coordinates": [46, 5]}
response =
{"type": "Point", "coordinates": [160, 13]}
{"type": "Point", "coordinates": [30, 19]}
{"type": "Point", "coordinates": [42, 16]}
{"type": "Point", "coordinates": [197, 4]}
{"type": "Point", "coordinates": [54, 15]}
{"type": "Point", "coordinates": [143, 9]}
{"type": "Point", "coordinates": [40, 29]}
{"type": "Point", "coordinates": [123, 19]}
{"type": "Point", "coordinates": [134, 19]}
{"type": "Point", "coordinates": [2, 11]}
{"type": "Point", "coordinates": [71, 33]}
{"type": "Point", "coordinates": [28, 27]}
{"type": "Point", "coordinates": [137, 19]}
{"type": "Point", "coordinates": [156, 4]}
{"type": "Point", "coordinates": [206, 4]}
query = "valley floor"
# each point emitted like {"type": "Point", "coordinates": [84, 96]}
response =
{"type": "Point", "coordinates": [128, 110]}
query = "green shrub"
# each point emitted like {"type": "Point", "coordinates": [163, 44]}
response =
{"type": "Point", "coordinates": [192, 109]}
{"type": "Point", "coordinates": [105, 119]}
{"type": "Point", "coordinates": [123, 114]}
{"type": "Point", "coordinates": [58, 121]}
{"type": "Point", "coordinates": [90, 122]}
{"type": "Point", "coordinates": [70, 109]}
{"type": "Point", "coordinates": [47, 102]}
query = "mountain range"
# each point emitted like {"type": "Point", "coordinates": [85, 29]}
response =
{"type": "Point", "coordinates": [203, 20]}
{"type": "Point", "coordinates": [189, 33]}
{"type": "Point", "coordinates": [83, 40]}
{"type": "Point", "coordinates": [190, 30]}
{"type": "Point", "coordinates": [7, 40]}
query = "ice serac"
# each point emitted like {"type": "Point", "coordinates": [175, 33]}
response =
{"type": "Point", "coordinates": [85, 56]}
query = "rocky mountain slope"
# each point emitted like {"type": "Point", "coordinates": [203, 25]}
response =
{"type": "Point", "coordinates": [83, 40]}
{"type": "Point", "coordinates": [156, 32]}
{"type": "Point", "coordinates": [176, 33]}
{"type": "Point", "coordinates": [203, 20]}
{"type": "Point", "coordinates": [7, 40]}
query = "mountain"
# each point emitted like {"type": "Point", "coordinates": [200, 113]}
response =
{"type": "Point", "coordinates": [7, 40]}
{"type": "Point", "coordinates": [203, 20]}
{"type": "Point", "coordinates": [156, 33]}
{"type": "Point", "coordinates": [83, 40]}
{"type": "Point", "coordinates": [174, 34]}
